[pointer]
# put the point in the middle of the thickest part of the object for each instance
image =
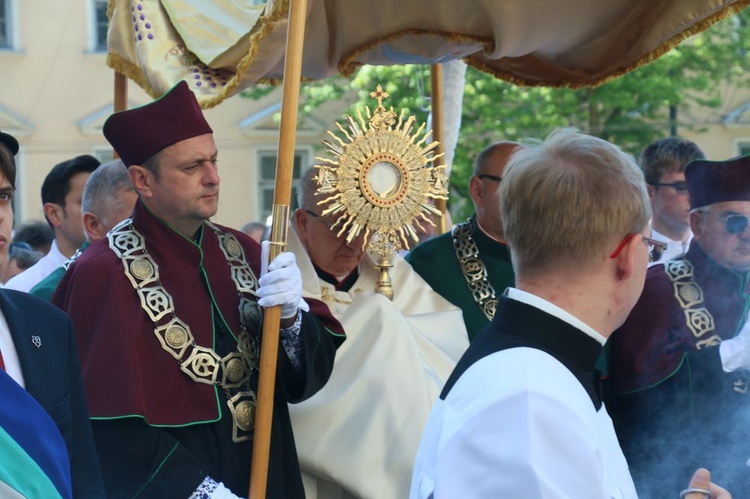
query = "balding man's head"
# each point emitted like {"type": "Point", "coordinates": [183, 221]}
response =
{"type": "Point", "coordinates": [484, 186]}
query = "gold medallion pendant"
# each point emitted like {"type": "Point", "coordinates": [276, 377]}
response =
{"type": "Point", "coordinates": [250, 313]}
{"type": "Point", "coordinates": [242, 406]}
{"type": "Point", "coordinates": [176, 336]}
{"type": "Point", "coordinates": [142, 269]}
{"type": "Point", "coordinates": [378, 182]}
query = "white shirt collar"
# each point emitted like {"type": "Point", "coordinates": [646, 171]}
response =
{"type": "Point", "coordinates": [552, 309]}
{"type": "Point", "coordinates": [674, 248]}
{"type": "Point", "coordinates": [10, 355]}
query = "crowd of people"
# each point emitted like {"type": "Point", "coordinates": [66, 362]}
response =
{"type": "Point", "coordinates": [584, 334]}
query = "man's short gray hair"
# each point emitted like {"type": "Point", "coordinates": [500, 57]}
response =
{"type": "Point", "coordinates": [306, 198]}
{"type": "Point", "coordinates": [103, 188]}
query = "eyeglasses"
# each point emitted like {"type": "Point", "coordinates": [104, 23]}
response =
{"type": "Point", "coordinates": [491, 177]}
{"type": "Point", "coordinates": [734, 224]}
{"type": "Point", "coordinates": [680, 186]}
{"type": "Point", "coordinates": [655, 247]}
{"type": "Point", "coordinates": [315, 215]}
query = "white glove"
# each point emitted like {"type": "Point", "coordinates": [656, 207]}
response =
{"type": "Point", "coordinates": [211, 489]}
{"type": "Point", "coordinates": [280, 283]}
{"type": "Point", "coordinates": [735, 353]}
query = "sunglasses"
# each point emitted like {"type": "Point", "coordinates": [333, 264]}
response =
{"type": "Point", "coordinates": [734, 224]}
{"type": "Point", "coordinates": [677, 186]}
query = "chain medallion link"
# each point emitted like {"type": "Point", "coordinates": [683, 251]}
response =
{"type": "Point", "coordinates": [700, 322]}
{"type": "Point", "coordinates": [473, 269]}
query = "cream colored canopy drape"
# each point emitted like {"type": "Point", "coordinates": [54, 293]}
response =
{"type": "Point", "coordinates": [223, 46]}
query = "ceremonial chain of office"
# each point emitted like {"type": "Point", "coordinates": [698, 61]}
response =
{"type": "Point", "coordinates": [473, 269]}
{"type": "Point", "coordinates": [697, 317]}
{"type": "Point", "coordinates": [66, 265]}
{"type": "Point", "coordinates": [201, 364]}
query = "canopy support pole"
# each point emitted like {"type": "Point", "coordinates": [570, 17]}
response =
{"type": "Point", "coordinates": [438, 130]}
{"type": "Point", "coordinates": [281, 199]}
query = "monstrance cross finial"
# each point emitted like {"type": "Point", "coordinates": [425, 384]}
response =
{"type": "Point", "coordinates": [379, 94]}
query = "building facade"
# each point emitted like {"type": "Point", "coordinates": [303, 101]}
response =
{"type": "Point", "coordinates": [56, 91]}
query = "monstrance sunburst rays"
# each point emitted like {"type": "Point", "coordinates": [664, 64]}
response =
{"type": "Point", "coordinates": [378, 182]}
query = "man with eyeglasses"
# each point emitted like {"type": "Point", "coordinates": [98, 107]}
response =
{"type": "Point", "coordinates": [473, 258]}
{"type": "Point", "coordinates": [678, 366]}
{"type": "Point", "coordinates": [521, 416]}
{"type": "Point", "coordinates": [357, 436]}
{"type": "Point", "coordinates": [663, 163]}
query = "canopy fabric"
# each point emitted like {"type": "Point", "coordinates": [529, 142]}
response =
{"type": "Point", "coordinates": [223, 46]}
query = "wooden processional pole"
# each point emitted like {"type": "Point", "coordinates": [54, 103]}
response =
{"type": "Point", "coordinates": [121, 92]}
{"type": "Point", "coordinates": [438, 130]}
{"type": "Point", "coordinates": [121, 98]}
{"type": "Point", "coordinates": [281, 199]}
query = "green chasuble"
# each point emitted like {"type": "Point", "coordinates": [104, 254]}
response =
{"type": "Point", "coordinates": [435, 260]}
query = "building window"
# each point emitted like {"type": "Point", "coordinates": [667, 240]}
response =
{"type": "Point", "coordinates": [743, 148]}
{"type": "Point", "coordinates": [6, 25]}
{"type": "Point", "coordinates": [100, 26]}
{"type": "Point", "coordinates": [267, 163]}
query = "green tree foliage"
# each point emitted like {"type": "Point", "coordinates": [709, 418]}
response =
{"type": "Point", "coordinates": [630, 111]}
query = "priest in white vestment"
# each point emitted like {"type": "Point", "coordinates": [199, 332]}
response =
{"type": "Point", "coordinates": [359, 435]}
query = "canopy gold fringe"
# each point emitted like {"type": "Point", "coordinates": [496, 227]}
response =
{"type": "Point", "coordinates": [255, 58]}
{"type": "Point", "coordinates": [647, 58]}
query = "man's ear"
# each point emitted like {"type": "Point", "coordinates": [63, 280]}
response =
{"type": "Point", "coordinates": [475, 189]}
{"type": "Point", "coordinates": [92, 226]}
{"type": "Point", "coordinates": [628, 259]}
{"type": "Point", "coordinates": [142, 179]}
{"type": "Point", "coordinates": [696, 225]}
{"type": "Point", "coordinates": [651, 191]}
{"type": "Point", "coordinates": [54, 213]}
{"type": "Point", "coordinates": [299, 219]}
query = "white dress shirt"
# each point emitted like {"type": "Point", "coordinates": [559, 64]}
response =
{"type": "Point", "coordinates": [674, 248]}
{"type": "Point", "coordinates": [41, 269]}
{"type": "Point", "coordinates": [519, 424]}
{"type": "Point", "coordinates": [10, 355]}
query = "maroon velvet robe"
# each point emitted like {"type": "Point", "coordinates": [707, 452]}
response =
{"type": "Point", "coordinates": [673, 406]}
{"type": "Point", "coordinates": [136, 392]}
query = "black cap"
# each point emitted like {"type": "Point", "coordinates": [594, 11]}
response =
{"type": "Point", "coordinates": [711, 182]}
{"type": "Point", "coordinates": [9, 141]}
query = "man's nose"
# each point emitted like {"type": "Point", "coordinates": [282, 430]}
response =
{"type": "Point", "coordinates": [211, 176]}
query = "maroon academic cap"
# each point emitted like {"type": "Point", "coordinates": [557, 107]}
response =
{"type": "Point", "coordinates": [711, 182]}
{"type": "Point", "coordinates": [137, 134]}
{"type": "Point", "coordinates": [9, 141]}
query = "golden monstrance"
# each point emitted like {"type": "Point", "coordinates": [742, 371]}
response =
{"type": "Point", "coordinates": [378, 182]}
